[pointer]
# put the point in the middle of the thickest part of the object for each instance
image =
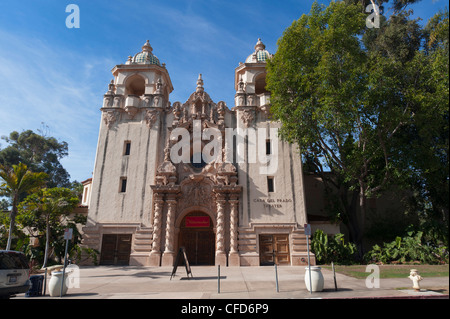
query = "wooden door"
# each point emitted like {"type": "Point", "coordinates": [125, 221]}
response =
{"type": "Point", "coordinates": [198, 239]}
{"type": "Point", "coordinates": [266, 250]}
{"type": "Point", "coordinates": [282, 249]}
{"type": "Point", "coordinates": [274, 249]}
{"type": "Point", "coordinates": [206, 247]}
{"type": "Point", "coordinates": [116, 249]}
{"type": "Point", "coordinates": [199, 245]}
{"type": "Point", "coordinates": [108, 249]}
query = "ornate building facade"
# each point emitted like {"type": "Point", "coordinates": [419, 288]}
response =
{"type": "Point", "coordinates": [245, 207]}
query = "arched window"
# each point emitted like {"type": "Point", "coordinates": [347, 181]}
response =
{"type": "Point", "coordinates": [135, 85]}
{"type": "Point", "coordinates": [260, 84]}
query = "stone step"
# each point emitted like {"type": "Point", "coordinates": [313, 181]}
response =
{"type": "Point", "coordinates": [142, 248]}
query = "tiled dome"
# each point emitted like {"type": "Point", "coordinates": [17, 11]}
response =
{"type": "Point", "coordinates": [260, 54]}
{"type": "Point", "coordinates": [146, 56]}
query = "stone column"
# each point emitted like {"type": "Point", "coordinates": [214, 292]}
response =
{"type": "Point", "coordinates": [155, 255]}
{"type": "Point", "coordinates": [233, 259]}
{"type": "Point", "coordinates": [169, 253]}
{"type": "Point", "coordinates": [221, 258]}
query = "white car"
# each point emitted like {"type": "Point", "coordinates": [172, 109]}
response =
{"type": "Point", "coordinates": [14, 273]}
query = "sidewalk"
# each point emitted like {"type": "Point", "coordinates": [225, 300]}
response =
{"type": "Point", "coordinates": [109, 282]}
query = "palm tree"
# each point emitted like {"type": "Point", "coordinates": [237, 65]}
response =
{"type": "Point", "coordinates": [18, 181]}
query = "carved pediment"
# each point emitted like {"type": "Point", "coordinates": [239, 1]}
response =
{"type": "Point", "coordinates": [199, 106]}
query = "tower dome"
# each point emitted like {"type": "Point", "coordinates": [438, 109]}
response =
{"type": "Point", "coordinates": [261, 55]}
{"type": "Point", "coordinates": [146, 56]}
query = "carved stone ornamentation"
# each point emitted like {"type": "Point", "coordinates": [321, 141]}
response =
{"type": "Point", "coordinates": [251, 100]}
{"type": "Point", "coordinates": [234, 204]}
{"type": "Point", "coordinates": [156, 100]}
{"type": "Point", "coordinates": [150, 117]}
{"type": "Point", "coordinates": [157, 220]}
{"type": "Point", "coordinates": [159, 87]}
{"type": "Point", "coordinates": [177, 111]}
{"type": "Point", "coordinates": [131, 110]}
{"type": "Point", "coordinates": [118, 101]}
{"type": "Point", "coordinates": [247, 117]}
{"type": "Point", "coordinates": [241, 100]}
{"type": "Point", "coordinates": [220, 229]}
{"type": "Point", "coordinates": [148, 100]}
{"type": "Point", "coordinates": [265, 109]}
{"type": "Point", "coordinates": [170, 225]}
{"type": "Point", "coordinates": [107, 100]}
{"type": "Point", "coordinates": [221, 107]}
{"type": "Point", "coordinates": [110, 117]}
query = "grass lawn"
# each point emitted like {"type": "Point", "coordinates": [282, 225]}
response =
{"type": "Point", "coordinates": [392, 271]}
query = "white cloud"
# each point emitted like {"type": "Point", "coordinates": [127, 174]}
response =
{"type": "Point", "coordinates": [47, 84]}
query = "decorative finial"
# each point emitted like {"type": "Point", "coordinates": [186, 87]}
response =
{"type": "Point", "coordinates": [259, 45]}
{"type": "Point", "coordinates": [241, 85]}
{"type": "Point", "coordinates": [199, 84]}
{"type": "Point", "coordinates": [111, 87]}
{"type": "Point", "coordinates": [147, 47]}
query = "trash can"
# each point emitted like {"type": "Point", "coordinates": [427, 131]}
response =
{"type": "Point", "coordinates": [54, 286]}
{"type": "Point", "coordinates": [36, 286]}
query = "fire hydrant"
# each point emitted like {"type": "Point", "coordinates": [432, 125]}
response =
{"type": "Point", "coordinates": [415, 277]}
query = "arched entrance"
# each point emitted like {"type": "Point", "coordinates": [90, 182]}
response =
{"type": "Point", "coordinates": [197, 236]}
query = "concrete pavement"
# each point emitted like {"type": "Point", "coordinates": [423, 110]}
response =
{"type": "Point", "coordinates": [129, 282]}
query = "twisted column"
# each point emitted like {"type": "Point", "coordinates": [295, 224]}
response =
{"type": "Point", "coordinates": [157, 219]}
{"type": "Point", "coordinates": [220, 239]}
{"type": "Point", "coordinates": [234, 225]}
{"type": "Point", "coordinates": [170, 226]}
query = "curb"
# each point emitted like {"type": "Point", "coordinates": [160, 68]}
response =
{"type": "Point", "coordinates": [397, 297]}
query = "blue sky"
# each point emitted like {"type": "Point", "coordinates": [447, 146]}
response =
{"type": "Point", "coordinates": [58, 76]}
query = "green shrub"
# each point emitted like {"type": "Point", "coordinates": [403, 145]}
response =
{"type": "Point", "coordinates": [332, 249]}
{"type": "Point", "coordinates": [410, 248]}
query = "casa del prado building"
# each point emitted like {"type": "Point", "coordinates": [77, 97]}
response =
{"type": "Point", "coordinates": [153, 192]}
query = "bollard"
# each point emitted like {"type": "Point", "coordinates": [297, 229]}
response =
{"type": "Point", "coordinates": [276, 277]}
{"type": "Point", "coordinates": [218, 279]}
{"type": "Point", "coordinates": [334, 276]}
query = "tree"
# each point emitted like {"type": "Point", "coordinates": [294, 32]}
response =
{"type": "Point", "coordinates": [39, 152]}
{"type": "Point", "coordinates": [18, 181]}
{"type": "Point", "coordinates": [344, 93]}
{"type": "Point", "coordinates": [426, 139]}
{"type": "Point", "coordinates": [4, 204]}
{"type": "Point", "coordinates": [48, 205]}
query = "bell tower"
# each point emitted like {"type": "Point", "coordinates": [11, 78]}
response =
{"type": "Point", "coordinates": [128, 152]}
{"type": "Point", "coordinates": [250, 80]}
{"type": "Point", "coordinates": [141, 83]}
